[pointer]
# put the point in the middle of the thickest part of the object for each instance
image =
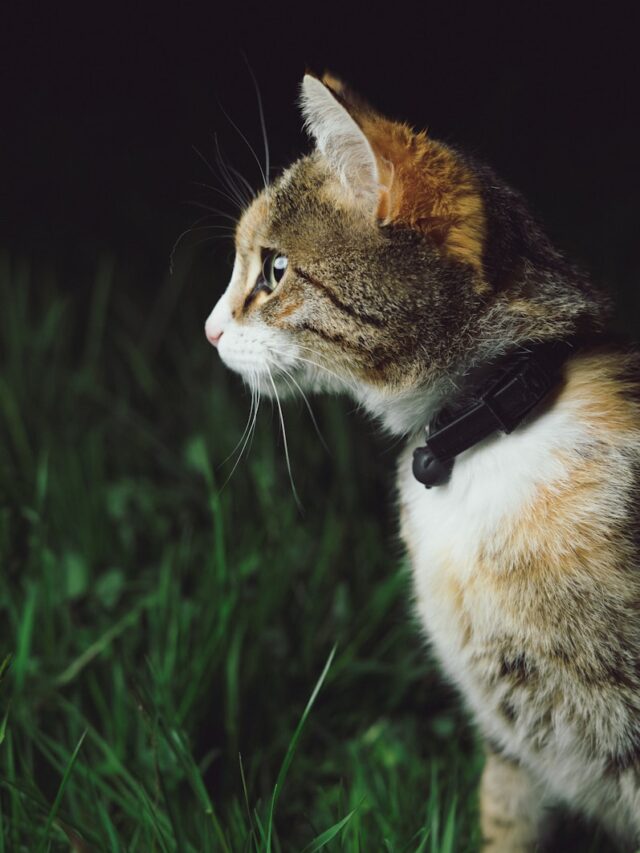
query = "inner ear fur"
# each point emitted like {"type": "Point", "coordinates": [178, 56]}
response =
{"type": "Point", "coordinates": [341, 141]}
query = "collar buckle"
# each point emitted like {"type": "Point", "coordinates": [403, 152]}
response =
{"type": "Point", "coordinates": [514, 393]}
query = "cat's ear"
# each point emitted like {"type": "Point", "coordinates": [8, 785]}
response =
{"type": "Point", "coordinates": [338, 136]}
{"type": "Point", "coordinates": [403, 175]}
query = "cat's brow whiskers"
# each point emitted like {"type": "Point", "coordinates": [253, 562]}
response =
{"type": "Point", "coordinates": [208, 216]}
{"type": "Point", "coordinates": [248, 144]}
{"type": "Point", "coordinates": [235, 197]}
{"type": "Point", "coordinates": [284, 436]}
{"type": "Point", "coordinates": [245, 183]}
{"type": "Point", "coordinates": [215, 210]}
{"type": "Point", "coordinates": [263, 123]}
{"type": "Point", "coordinates": [195, 227]}
{"type": "Point", "coordinates": [227, 231]}
{"type": "Point", "coordinates": [210, 239]}
{"type": "Point", "coordinates": [227, 171]}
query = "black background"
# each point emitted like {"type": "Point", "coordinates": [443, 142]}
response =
{"type": "Point", "coordinates": [102, 107]}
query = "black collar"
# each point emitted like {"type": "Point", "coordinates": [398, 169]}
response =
{"type": "Point", "coordinates": [513, 386]}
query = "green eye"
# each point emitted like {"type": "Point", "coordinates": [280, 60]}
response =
{"type": "Point", "coordinates": [274, 267]}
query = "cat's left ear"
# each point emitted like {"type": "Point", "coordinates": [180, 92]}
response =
{"type": "Point", "coordinates": [332, 122]}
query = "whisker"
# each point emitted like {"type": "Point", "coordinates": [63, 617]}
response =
{"type": "Point", "coordinates": [236, 198]}
{"type": "Point", "coordinates": [227, 175]}
{"type": "Point", "coordinates": [216, 210]}
{"type": "Point", "coordinates": [255, 420]}
{"type": "Point", "coordinates": [247, 143]}
{"type": "Point", "coordinates": [228, 231]}
{"type": "Point", "coordinates": [284, 436]}
{"type": "Point", "coordinates": [255, 405]}
{"type": "Point", "coordinates": [315, 352]}
{"type": "Point", "coordinates": [233, 201]}
{"type": "Point", "coordinates": [263, 124]}
{"type": "Point", "coordinates": [246, 428]}
{"type": "Point", "coordinates": [306, 402]}
{"type": "Point", "coordinates": [178, 241]}
{"type": "Point", "coordinates": [243, 180]}
{"type": "Point", "coordinates": [314, 363]}
{"type": "Point", "coordinates": [206, 216]}
{"type": "Point", "coordinates": [210, 239]}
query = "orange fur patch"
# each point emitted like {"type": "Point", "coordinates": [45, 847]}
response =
{"type": "Point", "coordinates": [424, 184]}
{"type": "Point", "coordinates": [558, 533]}
{"type": "Point", "coordinates": [430, 190]}
{"type": "Point", "coordinates": [609, 403]}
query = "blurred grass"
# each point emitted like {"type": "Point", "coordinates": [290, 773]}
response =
{"type": "Point", "coordinates": [162, 636]}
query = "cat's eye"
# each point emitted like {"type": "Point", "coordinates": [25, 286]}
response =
{"type": "Point", "coordinates": [273, 269]}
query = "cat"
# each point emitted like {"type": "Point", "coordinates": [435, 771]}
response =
{"type": "Point", "coordinates": [390, 266]}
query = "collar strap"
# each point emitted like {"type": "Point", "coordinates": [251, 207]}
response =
{"type": "Point", "coordinates": [515, 386]}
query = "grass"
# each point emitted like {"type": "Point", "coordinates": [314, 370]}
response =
{"type": "Point", "coordinates": [189, 667]}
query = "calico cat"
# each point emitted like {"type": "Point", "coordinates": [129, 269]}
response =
{"type": "Point", "coordinates": [390, 266]}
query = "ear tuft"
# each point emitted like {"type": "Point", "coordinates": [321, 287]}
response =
{"type": "Point", "coordinates": [334, 83]}
{"type": "Point", "coordinates": [339, 138]}
{"type": "Point", "coordinates": [355, 104]}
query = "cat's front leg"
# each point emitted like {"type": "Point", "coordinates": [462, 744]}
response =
{"type": "Point", "coordinates": [510, 807]}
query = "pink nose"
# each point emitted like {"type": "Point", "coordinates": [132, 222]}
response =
{"type": "Point", "coordinates": [213, 332]}
{"type": "Point", "coordinates": [214, 337]}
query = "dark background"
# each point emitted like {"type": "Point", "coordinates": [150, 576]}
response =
{"type": "Point", "coordinates": [118, 423]}
{"type": "Point", "coordinates": [102, 108]}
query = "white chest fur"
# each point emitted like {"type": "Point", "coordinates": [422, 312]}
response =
{"type": "Point", "coordinates": [449, 528]}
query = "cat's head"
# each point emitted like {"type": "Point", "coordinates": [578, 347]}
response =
{"type": "Point", "coordinates": [384, 264]}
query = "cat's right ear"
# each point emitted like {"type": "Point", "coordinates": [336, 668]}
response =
{"type": "Point", "coordinates": [341, 140]}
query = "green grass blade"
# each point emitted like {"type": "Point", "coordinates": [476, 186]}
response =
{"type": "Point", "coordinates": [103, 642]}
{"type": "Point", "coordinates": [292, 747]}
{"type": "Point", "coordinates": [25, 633]}
{"type": "Point", "coordinates": [448, 836]}
{"type": "Point", "coordinates": [329, 834]}
{"type": "Point", "coordinates": [4, 666]}
{"type": "Point", "coordinates": [58, 799]}
{"type": "Point", "coordinates": [3, 726]}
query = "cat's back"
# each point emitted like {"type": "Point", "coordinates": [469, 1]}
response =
{"type": "Point", "coordinates": [526, 569]}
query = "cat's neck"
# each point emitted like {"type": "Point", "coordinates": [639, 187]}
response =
{"type": "Point", "coordinates": [406, 412]}
{"type": "Point", "coordinates": [402, 412]}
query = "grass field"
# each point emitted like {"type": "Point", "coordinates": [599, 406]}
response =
{"type": "Point", "coordinates": [189, 667]}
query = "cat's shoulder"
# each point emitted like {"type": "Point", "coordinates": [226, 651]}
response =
{"type": "Point", "coordinates": [602, 389]}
